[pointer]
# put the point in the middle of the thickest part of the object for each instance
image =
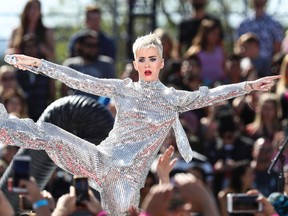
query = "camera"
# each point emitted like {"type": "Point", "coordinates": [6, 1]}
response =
{"type": "Point", "coordinates": [21, 170]}
{"type": "Point", "coordinates": [243, 203]}
{"type": "Point", "coordinates": [81, 189]}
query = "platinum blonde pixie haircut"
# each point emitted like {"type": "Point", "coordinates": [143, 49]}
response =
{"type": "Point", "coordinates": [148, 41]}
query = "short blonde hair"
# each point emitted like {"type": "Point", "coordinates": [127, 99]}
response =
{"type": "Point", "coordinates": [148, 41]}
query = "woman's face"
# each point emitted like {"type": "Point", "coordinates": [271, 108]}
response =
{"type": "Point", "coordinates": [14, 105]}
{"type": "Point", "coordinates": [213, 36]}
{"type": "Point", "coordinates": [33, 12]}
{"type": "Point", "coordinates": [148, 63]}
{"type": "Point", "coordinates": [8, 80]}
{"type": "Point", "coordinates": [269, 111]}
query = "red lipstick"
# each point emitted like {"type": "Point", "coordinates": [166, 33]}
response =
{"type": "Point", "coordinates": [147, 73]}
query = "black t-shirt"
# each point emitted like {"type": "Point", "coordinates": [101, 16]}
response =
{"type": "Point", "coordinates": [188, 29]}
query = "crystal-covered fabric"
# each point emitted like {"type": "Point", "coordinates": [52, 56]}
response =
{"type": "Point", "coordinates": [117, 168]}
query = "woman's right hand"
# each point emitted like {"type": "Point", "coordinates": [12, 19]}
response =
{"type": "Point", "coordinates": [20, 61]}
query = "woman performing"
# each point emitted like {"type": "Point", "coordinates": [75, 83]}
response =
{"type": "Point", "coordinates": [146, 111]}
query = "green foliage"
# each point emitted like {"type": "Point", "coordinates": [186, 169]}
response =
{"type": "Point", "coordinates": [62, 36]}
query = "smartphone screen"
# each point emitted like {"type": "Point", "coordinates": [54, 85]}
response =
{"type": "Point", "coordinates": [81, 189]}
{"type": "Point", "coordinates": [21, 170]}
{"type": "Point", "coordinates": [243, 203]}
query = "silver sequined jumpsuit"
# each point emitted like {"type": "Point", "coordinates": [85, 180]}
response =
{"type": "Point", "coordinates": [117, 168]}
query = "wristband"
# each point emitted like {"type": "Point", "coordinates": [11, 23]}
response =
{"type": "Point", "coordinates": [101, 213]}
{"type": "Point", "coordinates": [40, 203]}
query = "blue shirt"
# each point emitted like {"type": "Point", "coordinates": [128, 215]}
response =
{"type": "Point", "coordinates": [267, 30]}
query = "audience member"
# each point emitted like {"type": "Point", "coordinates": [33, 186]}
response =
{"type": "Point", "coordinates": [66, 204]}
{"type": "Point", "coordinates": [268, 209]}
{"type": "Point", "coordinates": [241, 180]}
{"type": "Point", "coordinates": [188, 28]}
{"type": "Point", "coordinates": [3, 164]}
{"type": "Point", "coordinates": [149, 183]}
{"type": "Point", "coordinates": [8, 153]}
{"type": "Point", "coordinates": [169, 53]}
{"type": "Point", "coordinates": [106, 45]}
{"type": "Point", "coordinates": [157, 201]}
{"type": "Point", "coordinates": [267, 120]}
{"type": "Point", "coordinates": [253, 65]}
{"type": "Point", "coordinates": [165, 166]}
{"type": "Point", "coordinates": [40, 90]}
{"type": "Point", "coordinates": [191, 71]}
{"type": "Point", "coordinates": [286, 180]}
{"type": "Point", "coordinates": [277, 62]}
{"type": "Point", "coordinates": [262, 155]}
{"type": "Point", "coordinates": [59, 183]}
{"type": "Point", "coordinates": [231, 147]}
{"type": "Point", "coordinates": [269, 31]}
{"type": "Point", "coordinates": [5, 206]}
{"type": "Point", "coordinates": [129, 72]}
{"type": "Point", "coordinates": [233, 70]}
{"type": "Point", "coordinates": [245, 109]}
{"type": "Point", "coordinates": [207, 44]}
{"type": "Point", "coordinates": [89, 61]}
{"type": "Point", "coordinates": [8, 80]}
{"type": "Point", "coordinates": [204, 203]}
{"type": "Point", "coordinates": [15, 103]}
{"type": "Point", "coordinates": [39, 203]}
{"type": "Point", "coordinates": [179, 196]}
{"type": "Point", "coordinates": [285, 43]}
{"type": "Point", "coordinates": [282, 87]}
{"type": "Point", "coordinates": [31, 23]}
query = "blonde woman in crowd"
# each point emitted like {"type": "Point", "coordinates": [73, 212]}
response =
{"type": "Point", "coordinates": [267, 122]}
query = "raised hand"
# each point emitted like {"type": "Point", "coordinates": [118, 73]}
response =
{"type": "Point", "coordinates": [165, 166]}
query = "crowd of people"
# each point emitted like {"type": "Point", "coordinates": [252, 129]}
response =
{"type": "Point", "coordinates": [234, 141]}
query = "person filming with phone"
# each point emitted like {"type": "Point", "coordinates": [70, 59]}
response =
{"type": "Point", "coordinates": [75, 201]}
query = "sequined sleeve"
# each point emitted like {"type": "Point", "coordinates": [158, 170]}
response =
{"type": "Point", "coordinates": [206, 97]}
{"type": "Point", "coordinates": [78, 80]}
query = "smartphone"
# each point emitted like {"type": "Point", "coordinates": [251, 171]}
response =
{"type": "Point", "coordinates": [243, 203]}
{"type": "Point", "coordinates": [21, 170]}
{"type": "Point", "coordinates": [81, 189]}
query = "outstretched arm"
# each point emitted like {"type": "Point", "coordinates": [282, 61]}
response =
{"type": "Point", "coordinates": [206, 97]}
{"type": "Point", "coordinates": [69, 76]}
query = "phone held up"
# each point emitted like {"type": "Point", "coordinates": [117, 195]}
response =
{"type": "Point", "coordinates": [21, 170]}
{"type": "Point", "coordinates": [243, 203]}
{"type": "Point", "coordinates": [81, 189]}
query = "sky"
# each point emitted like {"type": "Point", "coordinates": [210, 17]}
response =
{"type": "Point", "coordinates": [10, 11]}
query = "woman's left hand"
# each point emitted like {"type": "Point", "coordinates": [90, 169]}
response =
{"type": "Point", "coordinates": [262, 84]}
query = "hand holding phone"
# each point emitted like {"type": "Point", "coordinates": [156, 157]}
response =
{"type": "Point", "coordinates": [243, 203]}
{"type": "Point", "coordinates": [21, 170]}
{"type": "Point", "coordinates": [81, 189]}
